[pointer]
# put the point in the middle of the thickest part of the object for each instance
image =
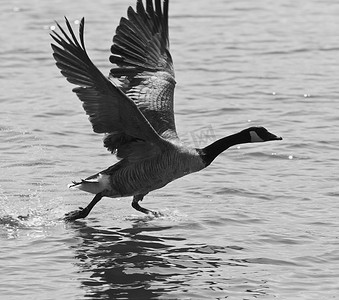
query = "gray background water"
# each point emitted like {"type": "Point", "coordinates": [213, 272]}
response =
{"type": "Point", "coordinates": [260, 223]}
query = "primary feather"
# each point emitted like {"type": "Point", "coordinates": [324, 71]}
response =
{"type": "Point", "coordinates": [145, 69]}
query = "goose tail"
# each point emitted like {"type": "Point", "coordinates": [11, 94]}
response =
{"type": "Point", "coordinates": [94, 184]}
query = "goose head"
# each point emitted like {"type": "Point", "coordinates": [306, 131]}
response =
{"type": "Point", "coordinates": [260, 134]}
{"type": "Point", "coordinates": [249, 135]}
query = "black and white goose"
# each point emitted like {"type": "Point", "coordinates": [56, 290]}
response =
{"type": "Point", "coordinates": [134, 108]}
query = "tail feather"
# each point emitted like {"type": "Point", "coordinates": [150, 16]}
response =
{"type": "Point", "coordinates": [74, 184]}
{"type": "Point", "coordinates": [92, 185]}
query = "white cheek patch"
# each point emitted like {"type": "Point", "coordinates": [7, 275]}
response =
{"type": "Point", "coordinates": [255, 137]}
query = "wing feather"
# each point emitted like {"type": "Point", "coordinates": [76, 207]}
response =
{"type": "Point", "coordinates": [109, 109]}
{"type": "Point", "coordinates": [144, 64]}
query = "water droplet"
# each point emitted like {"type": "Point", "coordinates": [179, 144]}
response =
{"type": "Point", "coordinates": [76, 22]}
{"type": "Point", "coordinates": [52, 27]}
{"type": "Point", "coordinates": [290, 157]}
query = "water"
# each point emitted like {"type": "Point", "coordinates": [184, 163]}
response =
{"type": "Point", "coordinates": [260, 223]}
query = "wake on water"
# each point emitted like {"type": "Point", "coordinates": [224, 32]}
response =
{"type": "Point", "coordinates": [36, 215]}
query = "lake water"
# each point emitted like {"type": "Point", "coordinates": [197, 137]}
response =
{"type": "Point", "coordinates": [260, 223]}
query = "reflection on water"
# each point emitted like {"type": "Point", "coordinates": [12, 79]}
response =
{"type": "Point", "coordinates": [146, 259]}
{"type": "Point", "coordinates": [144, 262]}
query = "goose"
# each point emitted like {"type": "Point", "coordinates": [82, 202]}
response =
{"type": "Point", "coordinates": [133, 107]}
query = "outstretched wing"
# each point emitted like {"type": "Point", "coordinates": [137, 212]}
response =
{"type": "Point", "coordinates": [145, 69]}
{"type": "Point", "coordinates": [109, 109]}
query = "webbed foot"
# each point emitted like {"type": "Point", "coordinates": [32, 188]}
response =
{"type": "Point", "coordinates": [76, 214]}
{"type": "Point", "coordinates": [155, 214]}
{"type": "Point", "coordinates": [82, 212]}
{"type": "Point", "coordinates": [136, 206]}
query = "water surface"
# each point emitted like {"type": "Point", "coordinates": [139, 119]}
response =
{"type": "Point", "coordinates": [260, 223]}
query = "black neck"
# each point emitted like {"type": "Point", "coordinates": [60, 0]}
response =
{"type": "Point", "coordinates": [210, 152]}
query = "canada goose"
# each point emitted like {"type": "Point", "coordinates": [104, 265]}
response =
{"type": "Point", "coordinates": [134, 108]}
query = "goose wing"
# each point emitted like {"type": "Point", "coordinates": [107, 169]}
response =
{"type": "Point", "coordinates": [109, 109]}
{"type": "Point", "coordinates": [144, 65]}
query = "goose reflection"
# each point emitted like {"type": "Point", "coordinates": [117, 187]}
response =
{"type": "Point", "coordinates": [140, 262]}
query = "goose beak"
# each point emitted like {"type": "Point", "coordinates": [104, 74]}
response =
{"type": "Point", "coordinates": [272, 137]}
{"type": "Point", "coordinates": [276, 138]}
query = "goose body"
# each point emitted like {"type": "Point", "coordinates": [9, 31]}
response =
{"type": "Point", "coordinates": [143, 176]}
{"type": "Point", "coordinates": [134, 108]}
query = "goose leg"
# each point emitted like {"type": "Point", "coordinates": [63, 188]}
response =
{"type": "Point", "coordinates": [82, 212]}
{"type": "Point", "coordinates": [136, 205]}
